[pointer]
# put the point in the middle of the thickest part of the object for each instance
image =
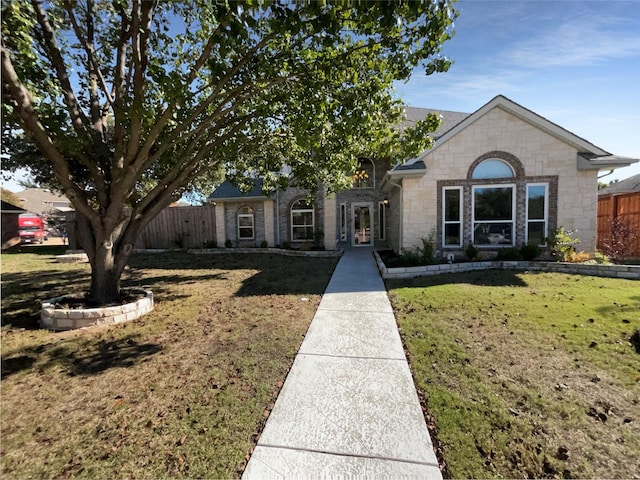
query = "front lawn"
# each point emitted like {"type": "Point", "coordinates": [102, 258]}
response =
{"type": "Point", "coordinates": [181, 392]}
{"type": "Point", "coordinates": [527, 374]}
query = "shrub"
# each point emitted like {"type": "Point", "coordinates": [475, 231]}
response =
{"type": "Point", "coordinates": [285, 245]}
{"type": "Point", "coordinates": [619, 240]}
{"type": "Point", "coordinates": [471, 252]}
{"type": "Point", "coordinates": [227, 243]}
{"type": "Point", "coordinates": [509, 254]}
{"type": "Point", "coordinates": [562, 244]}
{"type": "Point", "coordinates": [530, 252]}
{"type": "Point", "coordinates": [210, 244]}
{"type": "Point", "coordinates": [264, 244]}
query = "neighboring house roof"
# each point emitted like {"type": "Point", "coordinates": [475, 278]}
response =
{"type": "Point", "coordinates": [590, 157]}
{"type": "Point", "coordinates": [628, 185]}
{"type": "Point", "coordinates": [228, 192]}
{"type": "Point", "coordinates": [449, 119]}
{"type": "Point", "coordinates": [41, 200]}
{"type": "Point", "coordinates": [10, 208]}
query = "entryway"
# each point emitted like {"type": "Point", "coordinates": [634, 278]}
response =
{"type": "Point", "coordinates": [362, 224]}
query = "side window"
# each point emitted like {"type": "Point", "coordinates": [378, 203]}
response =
{"type": "Point", "coordinates": [246, 223]}
{"type": "Point", "coordinates": [537, 213]}
{"type": "Point", "coordinates": [452, 217]}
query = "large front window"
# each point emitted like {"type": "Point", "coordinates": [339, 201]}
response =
{"type": "Point", "coordinates": [302, 221]}
{"type": "Point", "coordinates": [493, 215]}
{"type": "Point", "coordinates": [537, 213]}
{"type": "Point", "coordinates": [452, 217]}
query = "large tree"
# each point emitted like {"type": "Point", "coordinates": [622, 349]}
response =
{"type": "Point", "coordinates": [127, 104]}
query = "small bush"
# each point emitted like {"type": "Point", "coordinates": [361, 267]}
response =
{"type": "Point", "coordinates": [210, 244]}
{"type": "Point", "coordinates": [509, 254]}
{"type": "Point", "coordinates": [227, 243]}
{"type": "Point", "coordinates": [530, 252]}
{"type": "Point", "coordinates": [285, 245]}
{"type": "Point", "coordinates": [563, 244]}
{"type": "Point", "coordinates": [264, 244]}
{"type": "Point", "coordinates": [471, 252]}
{"type": "Point", "coordinates": [619, 240]}
{"type": "Point", "coordinates": [577, 257]}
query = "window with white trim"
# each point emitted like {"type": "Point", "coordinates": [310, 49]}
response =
{"type": "Point", "coordinates": [343, 222]}
{"type": "Point", "coordinates": [246, 223]}
{"type": "Point", "coordinates": [492, 168]}
{"type": "Point", "coordinates": [452, 216]}
{"type": "Point", "coordinates": [302, 221]}
{"type": "Point", "coordinates": [537, 213]}
{"type": "Point", "coordinates": [493, 215]}
{"type": "Point", "coordinates": [382, 220]}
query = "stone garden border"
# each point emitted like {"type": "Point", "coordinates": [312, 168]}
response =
{"type": "Point", "coordinates": [58, 319]}
{"type": "Point", "coordinates": [597, 270]}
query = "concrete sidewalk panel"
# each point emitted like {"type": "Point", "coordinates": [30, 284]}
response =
{"type": "Point", "coordinates": [356, 302]}
{"type": "Point", "coordinates": [354, 334]}
{"type": "Point", "coordinates": [277, 463]}
{"type": "Point", "coordinates": [350, 406]}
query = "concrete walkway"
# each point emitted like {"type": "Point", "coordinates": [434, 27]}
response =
{"type": "Point", "coordinates": [349, 405]}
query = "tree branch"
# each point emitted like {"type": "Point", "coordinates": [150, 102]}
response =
{"type": "Point", "coordinates": [78, 119]}
{"type": "Point", "coordinates": [33, 125]}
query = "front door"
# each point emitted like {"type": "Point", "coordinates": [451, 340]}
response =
{"type": "Point", "coordinates": [362, 223]}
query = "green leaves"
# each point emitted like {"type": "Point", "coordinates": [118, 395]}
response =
{"type": "Point", "coordinates": [250, 87]}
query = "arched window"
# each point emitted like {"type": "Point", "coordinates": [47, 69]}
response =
{"type": "Point", "coordinates": [245, 223]}
{"type": "Point", "coordinates": [302, 220]}
{"type": "Point", "coordinates": [365, 176]}
{"type": "Point", "coordinates": [492, 168]}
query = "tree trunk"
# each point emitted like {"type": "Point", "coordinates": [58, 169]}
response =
{"type": "Point", "coordinates": [108, 253]}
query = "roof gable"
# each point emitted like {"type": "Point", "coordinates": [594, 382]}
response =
{"type": "Point", "coordinates": [528, 116]}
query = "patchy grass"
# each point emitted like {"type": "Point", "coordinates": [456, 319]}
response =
{"type": "Point", "coordinates": [181, 392]}
{"type": "Point", "coordinates": [527, 375]}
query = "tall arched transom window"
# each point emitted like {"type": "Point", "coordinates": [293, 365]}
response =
{"type": "Point", "coordinates": [365, 176]}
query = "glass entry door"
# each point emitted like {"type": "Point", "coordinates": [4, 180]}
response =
{"type": "Point", "coordinates": [362, 221]}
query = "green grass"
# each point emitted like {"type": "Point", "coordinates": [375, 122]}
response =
{"type": "Point", "coordinates": [526, 374]}
{"type": "Point", "coordinates": [182, 392]}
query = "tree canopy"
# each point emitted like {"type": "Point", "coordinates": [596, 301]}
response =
{"type": "Point", "coordinates": [126, 104]}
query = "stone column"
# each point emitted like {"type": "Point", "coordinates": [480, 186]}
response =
{"type": "Point", "coordinates": [221, 235]}
{"type": "Point", "coordinates": [269, 225]}
{"type": "Point", "coordinates": [330, 223]}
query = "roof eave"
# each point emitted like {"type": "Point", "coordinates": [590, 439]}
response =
{"type": "Point", "coordinates": [604, 162]}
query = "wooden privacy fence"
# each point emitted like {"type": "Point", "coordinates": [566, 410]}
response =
{"type": "Point", "coordinates": [174, 227]}
{"type": "Point", "coordinates": [625, 207]}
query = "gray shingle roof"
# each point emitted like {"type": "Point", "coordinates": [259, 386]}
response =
{"type": "Point", "coordinates": [10, 208]}
{"type": "Point", "coordinates": [449, 119]}
{"type": "Point", "coordinates": [628, 185]}
{"type": "Point", "coordinates": [227, 191]}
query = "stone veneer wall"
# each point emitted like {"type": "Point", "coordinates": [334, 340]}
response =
{"type": "Point", "coordinates": [542, 156]}
{"type": "Point", "coordinates": [231, 223]}
{"type": "Point", "coordinates": [614, 271]}
{"type": "Point", "coordinates": [55, 318]}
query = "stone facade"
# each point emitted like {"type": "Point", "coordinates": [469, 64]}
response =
{"type": "Point", "coordinates": [406, 204]}
{"type": "Point", "coordinates": [539, 157]}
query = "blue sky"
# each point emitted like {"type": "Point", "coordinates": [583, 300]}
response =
{"type": "Point", "coordinates": [576, 63]}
